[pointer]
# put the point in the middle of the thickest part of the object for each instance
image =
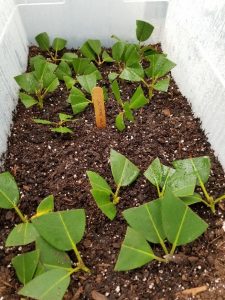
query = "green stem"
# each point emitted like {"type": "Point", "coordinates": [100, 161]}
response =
{"type": "Point", "coordinates": [19, 213]}
{"type": "Point", "coordinates": [115, 195]}
{"type": "Point", "coordinates": [80, 263]}
{"type": "Point", "coordinates": [219, 199]}
{"type": "Point", "coordinates": [160, 259]}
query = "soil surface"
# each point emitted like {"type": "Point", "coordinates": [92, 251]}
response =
{"type": "Point", "coordinates": [46, 163]}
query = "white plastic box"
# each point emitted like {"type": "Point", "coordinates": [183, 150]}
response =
{"type": "Point", "coordinates": [191, 32]}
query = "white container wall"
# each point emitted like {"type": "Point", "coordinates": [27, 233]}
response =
{"type": "Point", "coordinates": [192, 33]}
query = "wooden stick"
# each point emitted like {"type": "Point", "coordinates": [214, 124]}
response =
{"type": "Point", "coordinates": [99, 107]}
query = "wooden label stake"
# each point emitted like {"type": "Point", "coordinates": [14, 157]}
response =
{"type": "Point", "coordinates": [99, 107]}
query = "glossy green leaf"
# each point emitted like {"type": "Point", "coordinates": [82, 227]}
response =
{"type": "Point", "coordinates": [120, 125]}
{"type": "Point", "coordinates": [106, 57]}
{"type": "Point", "coordinates": [27, 82]}
{"type": "Point", "coordinates": [9, 192]}
{"type": "Point", "coordinates": [69, 81]}
{"type": "Point", "coordinates": [27, 100]}
{"type": "Point", "coordinates": [43, 41]}
{"type": "Point", "coordinates": [138, 99]}
{"type": "Point", "coordinates": [62, 70]}
{"type": "Point", "coordinates": [198, 166]}
{"type": "Point", "coordinates": [180, 223]}
{"type": "Point", "coordinates": [124, 171]}
{"type": "Point", "coordinates": [91, 49]}
{"type": "Point", "coordinates": [135, 252]}
{"type": "Point", "coordinates": [118, 50]}
{"type": "Point", "coordinates": [131, 55]}
{"type": "Point", "coordinates": [25, 265]}
{"type": "Point", "coordinates": [159, 66]}
{"type": "Point", "coordinates": [61, 229]}
{"type": "Point", "coordinates": [43, 122]}
{"type": "Point", "coordinates": [22, 234]}
{"type": "Point", "coordinates": [62, 129]}
{"type": "Point", "coordinates": [162, 85]}
{"type": "Point", "coordinates": [116, 90]}
{"type": "Point", "coordinates": [143, 30]}
{"type": "Point", "coordinates": [128, 112]}
{"type": "Point", "coordinates": [98, 182]}
{"type": "Point", "coordinates": [58, 44]}
{"type": "Point", "coordinates": [88, 82]}
{"type": "Point", "coordinates": [182, 184]}
{"type": "Point", "coordinates": [112, 76]}
{"type": "Point", "coordinates": [68, 57]}
{"type": "Point", "coordinates": [134, 73]}
{"type": "Point", "coordinates": [46, 205]}
{"type": "Point", "coordinates": [189, 200]}
{"type": "Point", "coordinates": [103, 202]}
{"type": "Point", "coordinates": [147, 220]}
{"type": "Point", "coordinates": [48, 286]}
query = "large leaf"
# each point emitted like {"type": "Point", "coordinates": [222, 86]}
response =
{"type": "Point", "coordinates": [43, 41]}
{"type": "Point", "coordinates": [27, 82]}
{"type": "Point", "coordinates": [198, 166]}
{"type": "Point", "coordinates": [180, 223]}
{"type": "Point", "coordinates": [98, 182]}
{"type": "Point", "coordinates": [42, 69]}
{"type": "Point", "coordinates": [182, 184]}
{"type": "Point", "coordinates": [143, 30]}
{"type": "Point", "coordinates": [27, 100]}
{"type": "Point", "coordinates": [131, 55]}
{"type": "Point", "coordinates": [50, 257]}
{"type": "Point", "coordinates": [133, 73]}
{"type": "Point", "coordinates": [22, 234]}
{"type": "Point", "coordinates": [58, 44]}
{"type": "Point", "coordinates": [118, 50]}
{"type": "Point", "coordinates": [159, 66]}
{"type": "Point", "coordinates": [78, 100]}
{"type": "Point", "coordinates": [88, 82]}
{"type": "Point", "coordinates": [69, 81]}
{"type": "Point", "coordinates": [147, 220]}
{"type": "Point", "coordinates": [138, 99]}
{"type": "Point", "coordinates": [91, 49]}
{"type": "Point", "coordinates": [68, 57]}
{"type": "Point", "coordinates": [9, 193]}
{"type": "Point", "coordinates": [120, 125]}
{"type": "Point", "coordinates": [51, 83]}
{"type": "Point", "coordinates": [83, 66]}
{"type": "Point", "coordinates": [135, 252]}
{"type": "Point", "coordinates": [25, 265]}
{"type": "Point", "coordinates": [34, 59]}
{"type": "Point", "coordinates": [48, 286]}
{"type": "Point", "coordinates": [62, 70]}
{"type": "Point", "coordinates": [162, 85]}
{"type": "Point", "coordinates": [62, 229]}
{"type": "Point", "coordinates": [124, 171]}
{"type": "Point", "coordinates": [103, 202]}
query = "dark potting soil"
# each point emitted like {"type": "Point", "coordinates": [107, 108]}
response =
{"type": "Point", "coordinates": [45, 163]}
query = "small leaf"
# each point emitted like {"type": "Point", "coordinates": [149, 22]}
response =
{"type": "Point", "coordinates": [25, 265]}
{"type": "Point", "coordinates": [143, 30]}
{"type": "Point", "coordinates": [77, 100]}
{"type": "Point", "coordinates": [58, 44]}
{"type": "Point", "coordinates": [43, 41]}
{"type": "Point", "coordinates": [9, 192]}
{"type": "Point", "coordinates": [98, 182]}
{"type": "Point", "coordinates": [69, 81]}
{"type": "Point", "coordinates": [189, 200]}
{"type": "Point", "coordinates": [21, 234]}
{"type": "Point", "coordinates": [182, 184]}
{"type": "Point", "coordinates": [64, 117]}
{"type": "Point", "coordinates": [134, 73]}
{"type": "Point", "coordinates": [50, 285]}
{"type": "Point", "coordinates": [103, 202]}
{"type": "Point", "coordinates": [135, 252]}
{"type": "Point", "coordinates": [118, 50]}
{"type": "Point", "coordinates": [105, 93]}
{"type": "Point", "coordinates": [180, 223]}
{"type": "Point", "coordinates": [88, 82]}
{"type": "Point", "coordinates": [91, 49]}
{"type": "Point", "coordinates": [43, 122]}
{"type": "Point", "coordinates": [68, 57]}
{"type": "Point", "coordinates": [120, 125]}
{"type": "Point", "coordinates": [112, 76]}
{"type": "Point", "coordinates": [131, 55]}
{"type": "Point", "coordinates": [27, 100]}
{"type": "Point", "coordinates": [116, 90]}
{"type": "Point", "coordinates": [128, 112]}
{"type": "Point", "coordinates": [154, 172]}
{"type": "Point", "coordinates": [162, 85]}
{"type": "Point", "coordinates": [106, 57]}
{"type": "Point", "coordinates": [124, 171]}
{"type": "Point", "coordinates": [138, 99]}
{"type": "Point", "coordinates": [61, 229]}
{"type": "Point", "coordinates": [62, 70]}
{"type": "Point", "coordinates": [159, 66]}
{"type": "Point", "coordinates": [83, 66]}
{"type": "Point", "coordinates": [46, 206]}
{"type": "Point", "coordinates": [62, 129]}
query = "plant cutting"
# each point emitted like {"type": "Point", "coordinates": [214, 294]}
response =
{"type": "Point", "coordinates": [44, 272]}
{"type": "Point", "coordinates": [124, 173]}
{"type": "Point", "coordinates": [165, 221]}
{"type": "Point", "coordinates": [36, 85]}
{"type": "Point", "coordinates": [58, 126]}
{"type": "Point", "coordinates": [138, 100]}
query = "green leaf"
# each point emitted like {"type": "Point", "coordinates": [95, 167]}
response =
{"type": "Point", "coordinates": [43, 41]}
{"type": "Point", "coordinates": [120, 125]}
{"type": "Point", "coordinates": [65, 117]}
{"type": "Point", "coordinates": [135, 252]}
{"type": "Point", "coordinates": [189, 200]}
{"type": "Point", "coordinates": [162, 85]}
{"type": "Point", "coordinates": [180, 223]}
{"type": "Point", "coordinates": [103, 202]}
{"type": "Point", "coordinates": [159, 66]}
{"type": "Point", "coordinates": [50, 257]}
{"type": "Point", "coordinates": [134, 73]}
{"type": "Point", "coordinates": [147, 220]}
{"type": "Point", "coordinates": [83, 66]}
{"type": "Point", "coordinates": [128, 112]}
{"type": "Point", "coordinates": [21, 234]}
{"type": "Point", "coordinates": [91, 49]}
{"type": "Point", "coordinates": [25, 265]}
{"type": "Point", "coordinates": [116, 90]}
{"type": "Point", "coordinates": [112, 76]}
{"type": "Point", "coordinates": [27, 82]}
{"type": "Point", "coordinates": [154, 173]}
{"type": "Point", "coordinates": [124, 171]}
{"type": "Point", "coordinates": [51, 83]}
{"type": "Point", "coordinates": [138, 99]}
{"type": "Point", "coordinates": [68, 57]}
{"type": "Point", "coordinates": [62, 129]}
{"type": "Point", "coordinates": [58, 44]}
{"type": "Point", "coordinates": [181, 184]}
{"type": "Point", "coordinates": [131, 55]}
{"type": "Point", "coordinates": [62, 70]}
{"type": "Point", "coordinates": [88, 82]}
{"type": "Point", "coordinates": [77, 100]}
{"type": "Point", "coordinates": [9, 192]}
{"type": "Point", "coordinates": [167, 172]}
{"type": "Point", "coordinates": [34, 59]}
{"type": "Point", "coordinates": [46, 206]}
{"type": "Point", "coordinates": [105, 93]}
{"type": "Point", "coordinates": [98, 182]}
{"type": "Point", "coordinates": [69, 81]}
{"type": "Point", "coordinates": [62, 229]}
{"type": "Point", "coordinates": [143, 30]}
{"type": "Point", "coordinates": [43, 122]}
{"type": "Point", "coordinates": [106, 57]}
{"type": "Point", "coordinates": [50, 285]}
{"type": "Point", "coordinates": [198, 166]}
{"type": "Point", "coordinates": [118, 50]}
{"type": "Point", "coordinates": [27, 100]}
